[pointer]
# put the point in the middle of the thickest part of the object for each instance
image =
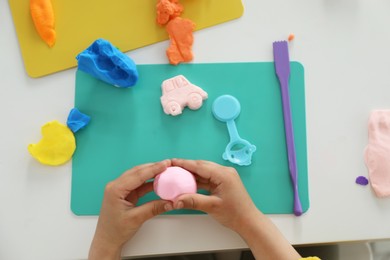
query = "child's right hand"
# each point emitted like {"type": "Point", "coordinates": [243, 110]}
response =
{"type": "Point", "coordinates": [229, 202]}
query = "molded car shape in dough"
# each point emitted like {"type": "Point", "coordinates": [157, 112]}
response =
{"type": "Point", "coordinates": [178, 92]}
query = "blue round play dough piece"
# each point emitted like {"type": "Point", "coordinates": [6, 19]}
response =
{"type": "Point", "coordinates": [226, 108]}
{"type": "Point", "coordinates": [77, 120]}
{"type": "Point", "coordinates": [104, 61]}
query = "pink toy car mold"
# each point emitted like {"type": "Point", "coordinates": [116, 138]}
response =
{"type": "Point", "coordinates": [178, 92]}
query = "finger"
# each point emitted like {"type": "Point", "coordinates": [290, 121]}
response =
{"type": "Point", "coordinates": [144, 189]}
{"type": "Point", "coordinates": [136, 168]}
{"type": "Point", "coordinates": [138, 177]}
{"type": "Point", "coordinates": [119, 181]}
{"type": "Point", "coordinates": [150, 209]}
{"type": "Point", "coordinates": [198, 202]}
{"type": "Point", "coordinates": [139, 192]}
{"type": "Point", "coordinates": [201, 180]}
{"type": "Point", "coordinates": [204, 169]}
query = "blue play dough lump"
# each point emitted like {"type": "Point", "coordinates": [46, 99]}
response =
{"type": "Point", "coordinates": [77, 120]}
{"type": "Point", "coordinates": [104, 61]}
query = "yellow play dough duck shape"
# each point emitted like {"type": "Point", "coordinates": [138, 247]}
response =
{"type": "Point", "coordinates": [56, 146]}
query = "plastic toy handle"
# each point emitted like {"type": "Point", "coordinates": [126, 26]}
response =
{"type": "Point", "coordinates": [297, 202]}
{"type": "Point", "coordinates": [233, 133]}
{"type": "Point", "coordinates": [292, 161]}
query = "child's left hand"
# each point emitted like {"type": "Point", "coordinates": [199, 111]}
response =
{"type": "Point", "coordinates": [120, 218]}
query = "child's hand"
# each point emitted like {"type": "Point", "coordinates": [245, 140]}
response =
{"type": "Point", "coordinates": [119, 217]}
{"type": "Point", "coordinates": [228, 202]}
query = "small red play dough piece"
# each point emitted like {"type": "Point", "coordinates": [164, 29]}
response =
{"type": "Point", "coordinates": [291, 37]}
{"type": "Point", "coordinates": [173, 182]}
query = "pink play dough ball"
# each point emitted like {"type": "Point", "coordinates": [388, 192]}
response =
{"type": "Point", "coordinates": [173, 182]}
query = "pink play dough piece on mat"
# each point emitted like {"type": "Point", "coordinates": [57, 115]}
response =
{"type": "Point", "coordinates": [377, 153]}
{"type": "Point", "coordinates": [178, 92]}
{"type": "Point", "coordinates": [173, 182]}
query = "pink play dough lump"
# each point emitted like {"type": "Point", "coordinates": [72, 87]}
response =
{"type": "Point", "coordinates": [173, 182]}
{"type": "Point", "coordinates": [377, 153]}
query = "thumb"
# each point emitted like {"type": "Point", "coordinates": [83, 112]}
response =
{"type": "Point", "coordinates": [151, 209]}
{"type": "Point", "coordinates": [197, 201]}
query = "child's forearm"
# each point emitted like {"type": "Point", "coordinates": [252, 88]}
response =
{"type": "Point", "coordinates": [265, 240]}
{"type": "Point", "coordinates": [101, 250]}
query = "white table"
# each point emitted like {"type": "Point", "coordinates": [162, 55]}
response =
{"type": "Point", "coordinates": [345, 48]}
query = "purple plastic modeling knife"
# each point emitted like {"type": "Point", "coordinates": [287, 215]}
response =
{"type": "Point", "coordinates": [282, 69]}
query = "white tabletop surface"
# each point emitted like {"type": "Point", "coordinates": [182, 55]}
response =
{"type": "Point", "coordinates": [344, 46]}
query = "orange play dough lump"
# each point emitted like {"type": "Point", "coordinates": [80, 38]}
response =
{"type": "Point", "coordinates": [43, 17]}
{"type": "Point", "coordinates": [168, 10]}
{"type": "Point", "coordinates": [181, 35]}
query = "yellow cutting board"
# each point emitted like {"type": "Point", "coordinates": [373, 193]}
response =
{"type": "Point", "coordinates": [128, 24]}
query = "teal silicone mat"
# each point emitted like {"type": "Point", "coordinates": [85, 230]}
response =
{"type": "Point", "coordinates": [128, 127]}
